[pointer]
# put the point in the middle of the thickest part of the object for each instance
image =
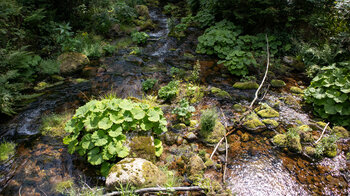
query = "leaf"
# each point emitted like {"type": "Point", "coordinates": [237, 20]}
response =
{"type": "Point", "coordinates": [105, 167]}
{"type": "Point", "coordinates": [138, 113]}
{"type": "Point", "coordinates": [116, 117]}
{"type": "Point", "coordinates": [105, 123]}
{"type": "Point", "coordinates": [124, 151]}
{"type": "Point", "coordinates": [153, 116]}
{"type": "Point", "coordinates": [157, 143]}
{"type": "Point", "coordinates": [86, 142]}
{"type": "Point", "coordinates": [126, 105]}
{"type": "Point", "coordinates": [159, 151]}
{"type": "Point", "coordinates": [95, 159]}
{"type": "Point", "coordinates": [115, 131]}
{"type": "Point", "coordinates": [101, 141]}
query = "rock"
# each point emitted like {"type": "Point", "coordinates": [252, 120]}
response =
{"type": "Point", "coordinates": [191, 136]}
{"type": "Point", "coordinates": [143, 147]}
{"type": "Point", "coordinates": [90, 71]}
{"type": "Point", "coordinates": [322, 125]}
{"type": "Point", "coordinates": [290, 100]}
{"type": "Point", "coordinates": [142, 10]}
{"type": "Point", "coordinates": [278, 83]}
{"type": "Point", "coordinates": [280, 140]}
{"type": "Point", "coordinates": [196, 167]}
{"type": "Point", "coordinates": [340, 132]}
{"type": "Point", "coordinates": [170, 138]}
{"type": "Point", "coordinates": [245, 137]}
{"type": "Point", "coordinates": [268, 113]}
{"type": "Point", "coordinates": [293, 143]}
{"type": "Point", "coordinates": [296, 90]}
{"type": "Point", "coordinates": [330, 151]}
{"type": "Point", "coordinates": [180, 126]}
{"type": "Point", "coordinates": [288, 60]}
{"type": "Point", "coordinates": [215, 136]}
{"type": "Point", "coordinates": [310, 151]}
{"type": "Point", "coordinates": [220, 93]}
{"type": "Point", "coordinates": [209, 163]}
{"type": "Point", "coordinates": [246, 85]}
{"type": "Point", "coordinates": [239, 108]}
{"type": "Point", "coordinates": [193, 123]}
{"type": "Point", "coordinates": [72, 62]}
{"type": "Point", "coordinates": [135, 60]}
{"type": "Point", "coordinates": [253, 123]}
{"type": "Point", "coordinates": [270, 123]}
{"type": "Point", "coordinates": [135, 172]}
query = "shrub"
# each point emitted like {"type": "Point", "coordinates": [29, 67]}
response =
{"type": "Point", "coordinates": [49, 67]}
{"type": "Point", "coordinates": [169, 91]}
{"type": "Point", "coordinates": [184, 111]}
{"type": "Point", "coordinates": [7, 149]}
{"type": "Point", "coordinates": [139, 37]}
{"type": "Point", "coordinates": [148, 84]}
{"type": "Point", "coordinates": [329, 94]}
{"type": "Point", "coordinates": [97, 130]}
{"type": "Point", "coordinates": [208, 120]}
{"type": "Point", "coordinates": [238, 62]}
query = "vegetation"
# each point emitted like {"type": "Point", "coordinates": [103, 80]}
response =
{"type": "Point", "coordinates": [53, 124]}
{"type": "Point", "coordinates": [184, 111]}
{"type": "Point", "coordinates": [148, 84]}
{"type": "Point", "coordinates": [169, 91]}
{"type": "Point", "coordinates": [139, 37]}
{"type": "Point", "coordinates": [97, 130]}
{"type": "Point", "coordinates": [7, 149]}
{"type": "Point", "coordinates": [208, 120]}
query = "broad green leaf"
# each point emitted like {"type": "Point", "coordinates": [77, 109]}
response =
{"type": "Point", "coordinates": [126, 105]}
{"type": "Point", "coordinates": [123, 152]}
{"type": "Point", "coordinates": [157, 143]}
{"type": "Point", "coordinates": [138, 113]}
{"type": "Point", "coordinates": [115, 131]}
{"type": "Point", "coordinates": [116, 117]}
{"type": "Point", "coordinates": [105, 167]}
{"type": "Point", "coordinates": [95, 159]}
{"type": "Point", "coordinates": [159, 151]}
{"type": "Point", "coordinates": [102, 141]}
{"type": "Point", "coordinates": [153, 115]}
{"type": "Point", "coordinates": [105, 123]}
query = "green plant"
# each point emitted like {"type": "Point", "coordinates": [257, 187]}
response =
{"type": "Point", "coordinates": [139, 37]}
{"type": "Point", "coordinates": [49, 67]}
{"type": "Point", "coordinates": [326, 145]}
{"type": "Point", "coordinates": [97, 130]}
{"type": "Point", "coordinates": [169, 91]}
{"type": "Point", "coordinates": [7, 149]}
{"type": "Point", "coordinates": [238, 62]}
{"type": "Point", "coordinates": [148, 84]}
{"type": "Point", "coordinates": [184, 111]}
{"type": "Point", "coordinates": [177, 73]}
{"type": "Point", "coordinates": [208, 120]}
{"type": "Point", "coordinates": [329, 94]}
{"type": "Point", "coordinates": [53, 124]}
{"type": "Point", "coordinates": [195, 72]}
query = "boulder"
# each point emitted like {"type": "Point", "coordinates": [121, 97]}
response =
{"type": "Point", "coordinates": [253, 123]}
{"type": "Point", "coordinates": [296, 90]}
{"type": "Point", "coordinates": [220, 93]}
{"type": "Point", "coordinates": [280, 140]}
{"type": "Point", "coordinates": [135, 172]}
{"type": "Point", "coordinates": [340, 132]}
{"type": "Point", "coordinates": [215, 136]}
{"type": "Point", "coordinates": [278, 83]}
{"type": "Point", "coordinates": [270, 123]}
{"type": "Point", "coordinates": [143, 147]}
{"type": "Point", "coordinates": [196, 167]}
{"type": "Point", "coordinates": [71, 62]}
{"type": "Point", "coordinates": [246, 85]}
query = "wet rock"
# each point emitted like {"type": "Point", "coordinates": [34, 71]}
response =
{"type": "Point", "coordinates": [270, 123]}
{"type": "Point", "coordinates": [278, 83]}
{"type": "Point", "coordinates": [135, 172]}
{"type": "Point", "coordinates": [340, 132]}
{"type": "Point", "coordinates": [142, 147]}
{"type": "Point", "coordinates": [180, 127]}
{"type": "Point", "coordinates": [322, 125]}
{"type": "Point", "coordinates": [290, 100]}
{"type": "Point", "coordinates": [72, 62]}
{"type": "Point", "coordinates": [253, 123]}
{"type": "Point", "coordinates": [305, 133]}
{"type": "Point", "coordinates": [289, 60]}
{"type": "Point", "coordinates": [90, 71]}
{"type": "Point", "coordinates": [170, 138]}
{"type": "Point", "coordinates": [245, 137]}
{"type": "Point", "coordinates": [296, 90]}
{"type": "Point", "coordinates": [246, 85]}
{"type": "Point", "coordinates": [215, 136]}
{"type": "Point", "coordinates": [191, 136]}
{"type": "Point", "coordinates": [239, 108]}
{"type": "Point", "coordinates": [179, 140]}
{"type": "Point", "coordinates": [134, 59]}
{"type": "Point", "coordinates": [220, 93]}
{"type": "Point", "coordinates": [330, 151]}
{"type": "Point", "coordinates": [280, 140]}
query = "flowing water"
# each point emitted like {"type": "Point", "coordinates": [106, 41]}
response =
{"type": "Point", "coordinates": [255, 168]}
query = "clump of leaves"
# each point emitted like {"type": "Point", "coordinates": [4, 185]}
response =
{"type": "Point", "coordinates": [148, 84]}
{"type": "Point", "coordinates": [329, 94]}
{"type": "Point", "coordinates": [97, 130]}
{"type": "Point", "coordinates": [169, 91]}
{"type": "Point", "coordinates": [238, 62]}
{"type": "Point", "coordinates": [139, 37]}
{"type": "Point", "coordinates": [7, 149]}
{"type": "Point", "coordinates": [326, 146]}
{"type": "Point", "coordinates": [208, 120]}
{"type": "Point", "coordinates": [184, 111]}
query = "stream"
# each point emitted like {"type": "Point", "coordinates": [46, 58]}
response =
{"type": "Point", "coordinates": [255, 167]}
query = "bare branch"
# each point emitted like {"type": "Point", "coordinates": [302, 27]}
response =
{"type": "Point", "coordinates": [324, 129]}
{"type": "Point", "coordinates": [156, 189]}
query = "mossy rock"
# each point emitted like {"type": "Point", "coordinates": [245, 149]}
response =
{"type": "Point", "coordinates": [215, 136]}
{"type": "Point", "coordinates": [7, 150]}
{"type": "Point", "coordinates": [278, 83]}
{"type": "Point", "coordinates": [142, 10]}
{"type": "Point", "coordinates": [143, 147]}
{"type": "Point", "coordinates": [135, 172]}
{"type": "Point", "coordinates": [196, 167]}
{"type": "Point", "coordinates": [304, 128]}
{"type": "Point", "coordinates": [305, 133]}
{"type": "Point", "coordinates": [246, 85]}
{"type": "Point", "coordinates": [193, 123]}
{"type": "Point", "coordinates": [293, 143]}
{"type": "Point", "coordinates": [331, 151]}
{"type": "Point", "coordinates": [239, 108]}
{"type": "Point", "coordinates": [72, 62]}
{"type": "Point", "coordinates": [254, 125]}
{"type": "Point", "coordinates": [270, 123]}
{"type": "Point", "coordinates": [220, 93]}
{"type": "Point", "coordinates": [180, 126]}
{"type": "Point", "coordinates": [296, 90]}
{"type": "Point", "coordinates": [322, 125]}
{"type": "Point", "coordinates": [63, 186]}
{"type": "Point", "coordinates": [290, 100]}
{"type": "Point", "coordinates": [268, 113]}
{"type": "Point", "coordinates": [340, 132]}
{"type": "Point", "coordinates": [280, 140]}
{"type": "Point", "coordinates": [310, 151]}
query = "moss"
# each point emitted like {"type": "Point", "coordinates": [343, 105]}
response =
{"type": "Point", "coordinates": [152, 175]}
{"type": "Point", "coordinates": [289, 100]}
{"type": "Point", "coordinates": [142, 11]}
{"type": "Point", "coordinates": [340, 132]}
{"type": "Point", "coordinates": [143, 147]}
{"type": "Point", "coordinates": [179, 126]}
{"type": "Point", "coordinates": [209, 163]}
{"type": "Point", "coordinates": [271, 123]}
{"type": "Point", "coordinates": [253, 124]}
{"type": "Point", "coordinates": [220, 93]}
{"type": "Point", "coordinates": [7, 149]}
{"type": "Point", "coordinates": [80, 80]}
{"type": "Point", "coordinates": [323, 124]}
{"type": "Point", "coordinates": [268, 113]}
{"type": "Point", "coordinates": [293, 141]}
{"type": "Point", "coordinates": [193, 123]}
{"type": "Point", "coordinates": [245, 137]}
{"type": "Point", "coordinates": [43, 85]}
{"type": "Point", "coordinates": [239, 108]}
{"type": "Point", "coordinates": [296, 90]}
{"type": "Point", "coordinates": [53, 124]}
{"type": "Point", "coordinates": [310, 151]}
{"type": "Point", "coordinates": [246, 85]}
{"type": "Point", "coordinates": [123, 43]}
{"type": "Point", "coordinates": [304, 128]}
{"type": "Point", "coordinates": [278, 83]}
{"type": "Point", "coordinates": [63, 186]}
{"type": "Point", "coordinates": [331, 152]}
{"type": "Point", "coordinates": [57, 77]}
{"type": "Point", "coordinates": [280, 140]}
{"type": "Point", "coordinates": [214, 137]}
{"type": "Point", "coordinates": [196, 167]}
{"type": "Point", "coordinates": [189, 55]}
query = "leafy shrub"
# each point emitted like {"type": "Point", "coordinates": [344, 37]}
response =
{"type": "Point", "coordinates": [184, 111]}
{"type": "Point", "coordinates": [169, 91]}
{"type": "Point", "coordinates": [208, 120]}
{"type": "Point", "coordinates": [49, 67]}
{"type": "Point", "coordinates": [326, 145]}
{"type": "Point", "coordinates": [148, 84]}
{"type": "Point", "coordinates": [329, 94]}
{"type": "Point", "coordinates": [205, 18]}
{"type": "Point", "coordinates": [139, 37]}
{"type": "Point", "coordinates": [97, 130]}
{"type": "Point", "coordinates": [238, 62]}
{"type": "Point", "coordinates": [177, 73]}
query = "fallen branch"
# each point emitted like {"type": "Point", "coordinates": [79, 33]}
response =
{"type": "Point", "coordinates": [324, 129]}
{"type": "Point", "coordinates": [267, 70]}
{"type": "Point", "coordinates": [226, 147]}
{"type": "Point", "coordinates": [156, 189]}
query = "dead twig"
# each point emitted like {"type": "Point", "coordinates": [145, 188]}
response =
{"type": "Point", "coordinates": [156, 189]}
{"type": "Point", "coordinates": [324, 129]}
{"type": "Point", "coordinates": [226, 146]}
{"type": "Point", "coordinates": [267, 70]}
